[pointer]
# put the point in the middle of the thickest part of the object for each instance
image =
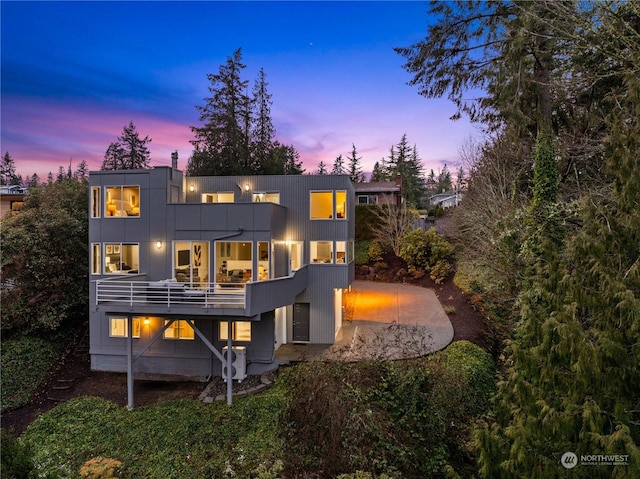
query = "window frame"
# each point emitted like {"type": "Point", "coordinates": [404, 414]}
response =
{"type": "Point", "coordinates": [313, 250]}
{"type": "Point", "coordinates": [236, 335]}
{"type": "Point", "coordinates": [311, 203]}
{"type": "Point", "coordinates": [120, 249]}
{"type": "Point", "coordinates": [134, 203]}
{"type": "Point", "coordinates": [179, 325]}
{"type": "Point", "coordinates": [136, 325]}
{"type": "Point", "coordinates": [96, 203]}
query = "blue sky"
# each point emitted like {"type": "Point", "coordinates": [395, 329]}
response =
{"type": "Point", "coordinates": [74, 73]}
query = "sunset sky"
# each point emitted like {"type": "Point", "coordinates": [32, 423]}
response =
{"type": "Point", "coordinates": [74, 73]}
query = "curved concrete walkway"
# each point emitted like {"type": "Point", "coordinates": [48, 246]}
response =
{"type": "Point", "coordinates": [383, 321]}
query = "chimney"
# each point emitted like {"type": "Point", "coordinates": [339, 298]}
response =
{"type": "Point", "coordinates": [174, 160]}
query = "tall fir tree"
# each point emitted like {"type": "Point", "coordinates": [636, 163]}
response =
{"type": "Point", "coordinates": [322, 168]}
{"type": "Point", "coordinates": [262, 130]}
{"type": "Point", "coordinates": [129, 152]}
{"type": "Point", "coordinates": [378, 174]}
{"type": "Point", "coordinates": [355, 170]}
{"type": "Point", "coordinates": [405, 162]}
{"type": "Point", "coordinates": [8, 171]}
{"type": "Point", "coordinates": [221, 144]}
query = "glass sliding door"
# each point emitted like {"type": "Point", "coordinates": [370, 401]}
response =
{"type": "Point", "coordinates": [191, 262]}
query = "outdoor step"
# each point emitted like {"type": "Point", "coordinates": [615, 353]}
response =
{"type": "Point", "coordinates": [65, 380]}
{"type": "Point", "coordinates": [60, 388]}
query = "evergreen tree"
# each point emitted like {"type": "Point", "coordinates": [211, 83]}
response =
{"type": "Point", "coordinates": [62, 175]}
{"type": "Point", "coordinates": [378, 172]}
{"type": "Point", "coordinates": [8, 171]}
{"type": "Point", "coordinates": [444, 180]}
{"type": "Point", "coordinates": [322, 168]}
{"type": "Point", "coordinates": [405, 162]}
{"type": "Point", "coordinates": [82, 171]}
{"type": "Point", "coordinates": [221, 144]}
{"type": "Point", "coordinates": [338, 166]}
{"type": "Point", "coordinates": [355, 171]}
{"type": "Point", "coordinates": [460, 181]}
{"type": "Point", "coordinates": [34, 181]}
{"type": "Point", "coordinates": [263, 131]}
{"type": "Point", "coordinates": [49, 179]}
{"type": "Point", "coordinates": [129, 152]}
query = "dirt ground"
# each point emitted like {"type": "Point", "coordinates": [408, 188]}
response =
{"type": "Point", "coordinates": [73, 377]}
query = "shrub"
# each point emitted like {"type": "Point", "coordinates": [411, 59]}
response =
{"type": "Point", "coordinates": [376, 250]}
{"type": "Point", "coordinates": [362, 251]}
{"type": "Point", "coordinates": [15, 457]}
{"type": "Point", "coordinates": [427, 250]}
{"type": "Point", "coordinates": [100, 468]}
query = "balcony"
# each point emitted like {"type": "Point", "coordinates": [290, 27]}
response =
{"type": "Point", "coordinates": [120, 294]}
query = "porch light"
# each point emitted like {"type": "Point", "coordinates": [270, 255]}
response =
{"type": "Point", "coordinates": [158, 244]}
{"type": "Point", "coordinates": [146, 322]}
{"type": "Point", "coordinates": [247, 187]}
{"type": "Point", "coordinates": [192, 188]}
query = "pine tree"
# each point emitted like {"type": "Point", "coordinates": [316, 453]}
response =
{"type": "Point", "coordinates": [128, 152]}
{"type": "Point", "coordinates": [405, 162]}
{"type": "Point", "coordinates": [221, 144]}
{"type": "Point", "coordinates": [338, 166]}
{"type": "Point", "coordinates": [355, 171]}
{"type": "Point", "coordinates": [378, 172]}
{"type": "Point", "coordinates": [82, 171]}
{"type": "Point", "coordinates": [262, 131]}
{"type": "Point", "coordinates": [444, 179]}
{"type": "Point", "coordinates": [322, 168]}
{"type": "Point", "coordinates": [8, 171]}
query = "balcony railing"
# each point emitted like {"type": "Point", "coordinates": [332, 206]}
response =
{"type": "Point", "coordinates": [171, 294]}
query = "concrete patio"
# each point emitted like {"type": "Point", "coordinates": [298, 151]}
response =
{"type": "Point", "coordinates": [383, 321]}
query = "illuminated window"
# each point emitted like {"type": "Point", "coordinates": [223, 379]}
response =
{"type": "Point", "coordinates": [218, 197]}
{"type": "Point", "coordinates": [240, 331]}
{"type": "Point", "coordinates": [265, 197]}
{"type": "Point", "coordinates": [341, 205]}
{"type": "Point", "coordinates": [295, 256]}
{"type": "Point", "coordinates": [321, 251]}
{"type": "Point", "coordinates": [122, 201]}
{"type": "Point", "coordinates": [95, 202]}
{"type": "Point", "coordinates": [179, 329]}
{"type": "Point", "coordinates": [341, 252]}
{"type": "Point", "coordinates": [120, 258]}
{"type": "Point", "coordinates": [96, 263]}
{"type": "Point", "coordinates": [351, 256]}
{"type": "Point", "coordinates": [321, 205]}
{"type": "Point", "coordinates": [118, 327]}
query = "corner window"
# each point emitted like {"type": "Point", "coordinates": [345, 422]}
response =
{"type": "Point", "coordinates": [296, 249]}
{"type": "Point", "coordinates": [179, 329]}
{"type": "Point", "coordinates": [240, 330]}
{"type": "Point", "coordinates": [321, 205]}
{"type": "Point", "coordinates": [341, 252]}
{"type": "Point", "coordinates": [341, 205]}
{"type": "Point", "coordinates": [122, 201]}
{"type": "Point", "coordinates": [95, 202]}
{"type": "Point", "coordinates": [321, 252]}
{"type": "Point", "coordinates": [121, 258]}
{"type": "Point", "coordinates": [263, 260]}
{"type": "Point", "coordinates": [118, 327]}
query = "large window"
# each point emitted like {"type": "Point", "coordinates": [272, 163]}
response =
{"type": "Point", "coordinates": [218, 197]}
{"type": "Point", "coordinates": [118, 327]}
{"type": "Point", "coordinates": [191, 261]}
{"type": "Point", "coordinates": [323, 206]}
{"type": "Point", "coordinates": [179, 329]}
{"type": "Point", "coordinates": [234, 261]}
{"type": "Point", "coordinates": [121, 258]}
{"type": "Point", "coordinates": [321, 251]}
{"type": "Point", "coordinates": [240, 330]}
{"type": "Point", "coordinates": [122, 201]}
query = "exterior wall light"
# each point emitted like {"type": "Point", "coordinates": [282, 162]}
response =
{"type": "Point", "coordinates": [246, 187]}
{"type": "Point", "coordinates": [147, 321]}
{"type": "Point", "coordinates": [192, 188]}
{"type": "Point", "coordinates": [158, 244]}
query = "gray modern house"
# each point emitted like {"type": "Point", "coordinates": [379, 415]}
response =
{"type": "Point", "coordinates": [185, 269]}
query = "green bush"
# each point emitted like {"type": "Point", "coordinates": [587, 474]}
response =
{"type": "Point", "coordinates": [26, 360]}
{"type": "Point", "coordinates": [366, 219]}
{"type": "Point", "coordinates": [427, 250]}
{"type": "Point", "coordinates": [362, 251]}
{"type": "Point", "coordinates": [15, 457]}
{"type": "Point", "coordinates": [375, 251]}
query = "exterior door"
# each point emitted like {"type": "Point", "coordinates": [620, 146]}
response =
{"type": "Point", "coordinates": [301, 322]}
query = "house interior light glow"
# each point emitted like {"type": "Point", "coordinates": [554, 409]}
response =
{"type": "Point", "coordinates": [158, 244]}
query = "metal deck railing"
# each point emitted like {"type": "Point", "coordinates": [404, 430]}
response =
{"type": "Point", "coordinates": [171, 294]}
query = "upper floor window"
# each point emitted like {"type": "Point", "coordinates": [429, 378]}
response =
{"type": "Point", "coordinates": [95, 202]}
{"type": "Point", "coordinates": [323, 206]}
{"type": "Point", "coordinates": [321, 251]}
{"type": "Point", "coordinates": [122, 201]}
{"type": "Point", "coordinates": [265, 197]}
{"type": "Point", "coordinates": [218, 197]}
{"type": "Point", "coordinates": [121, 258]}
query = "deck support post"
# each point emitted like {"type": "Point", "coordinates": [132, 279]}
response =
{"type": "Point", "coordinates": [129, 362]}
{"type": "Point", "coordinates": [229, 363]}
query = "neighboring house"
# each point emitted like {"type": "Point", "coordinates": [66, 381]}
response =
{"type": "Point", "coordinates": [446, 199]}
{"type": "Point", "coordinates": [379, 192]}
{"type": "Point", "coordinates": [11, 198]}
{"type": "Point", "coordinates": [190, 265]}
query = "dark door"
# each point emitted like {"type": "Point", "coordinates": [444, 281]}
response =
{"type": "Point", "coordinates": [301, 322]}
